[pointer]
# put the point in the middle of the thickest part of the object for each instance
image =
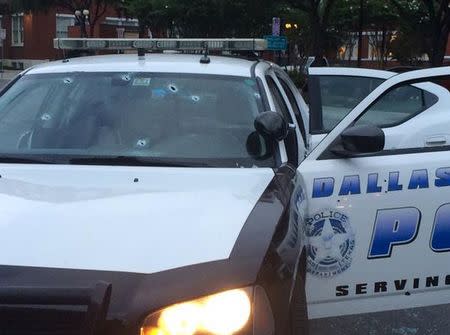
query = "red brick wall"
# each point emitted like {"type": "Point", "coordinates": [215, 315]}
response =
{"type": "Point", "coordinates": [39, 32]}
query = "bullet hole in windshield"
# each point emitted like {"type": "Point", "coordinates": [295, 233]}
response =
{"type": "Point", "coordinates": [126, 77]}
{"type": "Point", "coordinates": [142, 143]}
{"type": "Point", "coordinates": [195, 98]}
{"type": "Point", "coordinates": [68, 81]}
{"type": "Point", "coordinates": [46, 117]}
{"type": "Point", "coordinates": [173, 88]}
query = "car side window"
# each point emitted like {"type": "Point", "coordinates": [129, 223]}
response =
{"type": "Point", "coordinates": [281, 107]}
{"type": "Point", "coordinates": [294, 105]}
{"type": "Point", "coordinates": [418, 131]}
{"type": "Point", "coordinates": [398, 106]}
{"type": "Point", "coordinates": [333, 97]}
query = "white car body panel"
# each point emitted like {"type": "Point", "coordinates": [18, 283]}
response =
{"type": "Point", "coordinates": [349, 71]}
{"type": "Point", "coordinates": [407, 262]}
{"type": "Point", "coordinates": [171, 217]}
{"type": "Point", "coordinates": [161, 63]}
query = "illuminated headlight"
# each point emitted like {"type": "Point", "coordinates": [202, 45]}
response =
{"type": "Point", "coordinates": [225, 313]}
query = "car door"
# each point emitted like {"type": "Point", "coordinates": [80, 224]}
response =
{"type": "Point", "coordinates": [377, 228]}
{"type": "Point", "coordinates": [298, 106]}
{"type": "Point", "coordinates": [294, 144]}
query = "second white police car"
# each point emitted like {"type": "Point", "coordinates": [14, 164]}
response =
{"type": "Point", "coordinates": [169, 194]}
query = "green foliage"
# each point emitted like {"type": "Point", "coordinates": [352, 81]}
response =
{"type": "Point", "coordinates": [408, 47]}
{"type": "Point", "coordinates": [425, 23]}
{"type": "Point", "coordinates": [199, 18]}
{"type": "Point", "coordinates": [150, 13]}
{"type": "Point", "coordinates": [298, 77]}
{"type": "Point", "coordinates": [316, 30]}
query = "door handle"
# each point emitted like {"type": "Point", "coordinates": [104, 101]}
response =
{"type": "Point", "coordinates": [436, 140]}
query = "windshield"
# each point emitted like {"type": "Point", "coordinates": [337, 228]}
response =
{"type": "Point", "coordinates": [189, 120]}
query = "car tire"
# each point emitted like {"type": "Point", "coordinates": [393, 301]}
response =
{"type": "Point", "coordinates": [298, 317]}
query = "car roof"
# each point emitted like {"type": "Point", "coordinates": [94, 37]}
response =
{"type": "Point", "coordinates": [159, 63]}
{"type": "Point", "coordinates": [350, 71]}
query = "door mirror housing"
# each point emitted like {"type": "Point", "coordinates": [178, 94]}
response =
{"type": "Point", "coordinates": [360, 140]}
{"type": "Point", "coordinates": [272, 125]}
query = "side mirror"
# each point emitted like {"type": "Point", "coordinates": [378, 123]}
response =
{"type": "Point", "coordinates": [359, 140]}
{"type": "Point", "coordinates": [272, 125]}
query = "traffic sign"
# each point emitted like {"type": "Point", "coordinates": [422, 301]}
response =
{"type": "Point", "coordinates": [276, 42]}
{"type": "Point", "coordinates": [276, 25]}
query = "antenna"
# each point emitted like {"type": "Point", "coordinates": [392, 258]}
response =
{"type": "Point", "coordinates": [141, 54]}
{"type": "Point", "coordinates": [205, 59]}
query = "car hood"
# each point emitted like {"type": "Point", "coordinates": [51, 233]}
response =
{"type": "Point", "coordinates": [123, 219]}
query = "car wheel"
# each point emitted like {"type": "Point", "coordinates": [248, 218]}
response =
{"type": "Point", "coordinates": [299, 310]}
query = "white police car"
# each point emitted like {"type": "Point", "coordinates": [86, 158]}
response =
{"type": "Point", "coordinates": [155, 195]}
{"type": "Point", "coordinates": [137, 196]}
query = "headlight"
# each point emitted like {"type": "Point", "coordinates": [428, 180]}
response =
{"type": "Point", "coordinates": [221, 314]}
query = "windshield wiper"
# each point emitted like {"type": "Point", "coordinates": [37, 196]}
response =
{"type": "Point", "coordinates": [23, 159]}
{"type": "Point", "coordinates": [134, 161]}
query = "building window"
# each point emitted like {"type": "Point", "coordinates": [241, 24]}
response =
{"type": "Point", "coordinates": [63, 22]}
{"type": "Point", "coordinates": [118, 21]}
{"type": "Point", "coordinates": [17, 29]}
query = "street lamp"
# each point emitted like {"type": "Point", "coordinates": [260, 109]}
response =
{"type": "Point", "coordinates": [82, 17]}
{"type": "Point", "coordinates": [289, 26]}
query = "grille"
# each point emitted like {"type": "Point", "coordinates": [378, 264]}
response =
{"type": "Point", "coordinates": [53, 311]}
{"type": "Point", "coordinates": [40, 321]}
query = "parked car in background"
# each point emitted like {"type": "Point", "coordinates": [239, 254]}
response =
{"type": "Point", "coordinates": [334, 92]}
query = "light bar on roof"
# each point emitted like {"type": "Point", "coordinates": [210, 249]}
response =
{"type": "Point", "coordinates": [160, 44]}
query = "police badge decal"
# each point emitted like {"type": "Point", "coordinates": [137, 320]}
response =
{"type": "Point", "coordinates": [330, 243]}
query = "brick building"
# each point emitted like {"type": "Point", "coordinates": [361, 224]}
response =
{"type": "Point", "coordinates": [29, 36]}
{"type": "Point", "coordinates": [370, 53]}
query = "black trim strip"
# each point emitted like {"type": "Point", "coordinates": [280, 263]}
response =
{"type": "Point", "coordinates": [266, 106]}
{"type": "Point", "coordinates": [327, 155]}
{"type": "Point", "coordinates": [315, 104]}
{"type": "Point", "coordinates": [253, 69]}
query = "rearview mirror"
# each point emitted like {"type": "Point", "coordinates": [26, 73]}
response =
{"type": "Point", "coordinates": [359, 140]}
{"type": "Point", "coordinates": [272, 125]}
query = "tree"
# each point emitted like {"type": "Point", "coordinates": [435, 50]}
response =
{"type": "Point", "coordinates": [152, 14]}
{"type": "Point", "coordinates": [97, 8]}
{"type": "Point", "coordinates": [317, 18]}
{"type": "Point", "coordinates": [431, 18]}
{"type": "Point", "coordinates": [408, 47]}
{"type": "Point", "coordinates": [205, 18]}
{"type": "Point", "coordinates": [381, 21]}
